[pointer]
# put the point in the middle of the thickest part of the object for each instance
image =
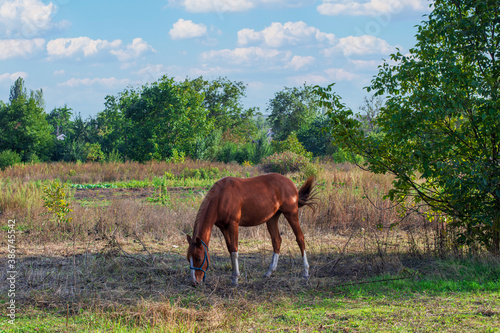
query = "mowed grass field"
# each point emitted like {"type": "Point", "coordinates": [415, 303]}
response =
{"type": "Point", "coordinates": [116, 262]}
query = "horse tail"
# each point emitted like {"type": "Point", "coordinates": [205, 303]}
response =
{"type": "Point", "coordinates": [307, 194]}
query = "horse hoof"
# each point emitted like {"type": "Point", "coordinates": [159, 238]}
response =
{"type": "Point", "coordinates": [234, 282]}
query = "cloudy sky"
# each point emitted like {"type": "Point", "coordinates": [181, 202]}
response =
{"type": "Point", "coordinates": [81, 51]}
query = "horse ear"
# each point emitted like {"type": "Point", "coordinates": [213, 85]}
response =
{"type": "Point", "coordinates": [198, 241]}
{"type": "Point", "coordinates": [188, 238]}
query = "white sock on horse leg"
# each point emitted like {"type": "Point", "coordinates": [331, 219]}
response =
{"type": "Point", "coordinates": [234, 263]}
{"type": "Point", "coordinates": [274, 264]}
{"type": "Point", "coordinates": [306, 265]}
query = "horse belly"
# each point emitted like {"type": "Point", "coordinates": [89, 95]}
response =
{"type": "Point", "coordinates": [256, 214]}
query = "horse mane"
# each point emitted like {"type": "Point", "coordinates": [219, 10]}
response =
{"type": "Point", "coordinates": [202, 211]}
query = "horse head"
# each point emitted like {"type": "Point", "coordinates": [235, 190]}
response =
{"type": "Point", "coordinates": [198, 258]}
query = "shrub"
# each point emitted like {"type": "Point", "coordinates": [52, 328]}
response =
{"type": "Point", "coordinates": [114, 156]}
{"type": "Point", "coordinates": [57, 201]}
{"type": "Point", "coordinates": [291, 144]}
{"type": "Point", "coordinates": [287, 162]}
{"type": "Point", "coordinates": [8, 158]}
{"type": "Point", "coordinates": [343, 156]}
{"type": "Point", "coordinates": [94, 152]}
{"type": "Point", "coordinates": [177, 157]}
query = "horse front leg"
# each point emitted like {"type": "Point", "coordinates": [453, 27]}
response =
{"type": "Point", "coordinates": [231, 237]}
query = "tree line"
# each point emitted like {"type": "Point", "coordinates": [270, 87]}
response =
{"type": "Point", "coordinates": [162, 120]}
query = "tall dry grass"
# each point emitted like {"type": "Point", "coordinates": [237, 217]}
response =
{"type": "Point", "coordinates": [85, 173]}
{"type": "Point", "coordinates": [349, 199]}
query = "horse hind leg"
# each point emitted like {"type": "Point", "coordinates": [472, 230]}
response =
{"type": "Point", "coordinates": [293, 220]}
{"type": "Point", "coordinates": [272, 227]}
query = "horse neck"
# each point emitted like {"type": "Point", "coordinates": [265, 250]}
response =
{"type": "Point", "coordinates": [205, 221]}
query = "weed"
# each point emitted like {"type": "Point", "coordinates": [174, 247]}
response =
{"type": "Point", "coordinates": [162, 195]}
{"type": "Point", "coordinates": [57, 201]}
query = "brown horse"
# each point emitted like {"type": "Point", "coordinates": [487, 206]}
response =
{"type": "Point", "coordinates": [234, 202]}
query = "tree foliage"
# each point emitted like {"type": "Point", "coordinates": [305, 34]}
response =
{"type": "Point", "coordinates": [291, 110]}
{"type": "Point", "coordinates": [23, 125]}
{"type": "Point", "coordinates": [440, 126]}
{"type": "Point", "coordinates": [163, 116]}
{"type": "Point", "coordinates": [223, 100]}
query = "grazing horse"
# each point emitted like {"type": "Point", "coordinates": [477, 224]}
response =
{"type": "Point", "coordinates": [234, 202]}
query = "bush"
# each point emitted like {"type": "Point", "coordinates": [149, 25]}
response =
{"type": "Point", "coordinates": [8, 158]}
{"type": "Point", "coordinates": [94, 152]}
{"type": "Point", "coordinates": [233, 152]}
{"type": "Point", "coordinates": [114, 156]}
{"type": "Point", "coordinates": [343, 156]}
{"type": "Point", "coordinates": [291, 144]}
{"type": "Point", "coordinates": [177, 157]}
{"type": "Point", "coordinates": [57, 201]}
{"type": "Point", "coordinates": [288, 162]}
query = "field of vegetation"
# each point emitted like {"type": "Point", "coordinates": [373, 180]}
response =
{"type": "Point", "coordinates": [95, 212]}
{"type": "Point", "coordinates": [100, 247]}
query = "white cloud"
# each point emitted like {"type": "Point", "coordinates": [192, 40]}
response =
{"type": "Point", "coordinates": [59, 72]}
{"type": "Point", "coordinates": [366, 64]}
{"type": "Point", "coordinates": [67, 47]}
{"type": "Point", "coordinates": [134, 50]}
{"type": "Point", "coordinates": [183, 29]}
{"type": "Point", "coordinates": [27, 18]}
{"type": "Point", "coordinates": [361, 45]}
{"type": "Point", "coordinates": [217, 6]}
{"type": "Point", "coordinates": [151, 73]}
{"type": "Point", "coordinates": [249, 56]}
{"type": "Point", "coordinates": [299, 62]}
{"type": "Point", "coordinates": [370, 7]}
{"type": "Point", "coordinates": [85, 46]}
{"type": "Point", "coordinates": [291, 33]}
{"type": "Point", "coordinates": [205, 70]}
{"type": "Point", "coordinates": [12, 77]}
{"type": "Point", "coordinates": [340, 74]}
{"type": "Point", "coordinates": [10, 48]}
{"type": "Point", "coordinates": [106, 82]}
{"type": "Point", "coordinates": [220, 6]}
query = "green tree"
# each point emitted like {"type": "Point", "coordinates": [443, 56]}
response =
{"type": "Point", "coordinates": [223, 100]}
{"type": "Point", "coordinates": [60, 120]}
{"type": "Point", "coordinates": [440, 126]}
{"type": "Point", "coordinates": [23, 125]}
{"type": "Point", "coordinates": [164, 116]}
{"type": "Point", "coordinates": [291, 110]}
{"type": "Point", "coordinates": [112, 126]}
{"type": "Point", "coordinates": [314, 138]}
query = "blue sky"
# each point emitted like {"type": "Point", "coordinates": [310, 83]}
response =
{"type": "Point", "coordinates": [80, 51]}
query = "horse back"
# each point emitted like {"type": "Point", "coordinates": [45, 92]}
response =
{"type": "Point", "coordinates": [253, 201]}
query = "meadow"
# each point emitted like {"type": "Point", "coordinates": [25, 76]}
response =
{"type": "Point", "coordinates": [100, 247]}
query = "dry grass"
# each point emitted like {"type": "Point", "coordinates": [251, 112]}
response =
{"type": "Point", "coordinates": [123, 257]}
{"type": "Point", "coordinates": [83, 173]}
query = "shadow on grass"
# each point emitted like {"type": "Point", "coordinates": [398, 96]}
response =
{"type": "Point", "coordinates": [111, 277]}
